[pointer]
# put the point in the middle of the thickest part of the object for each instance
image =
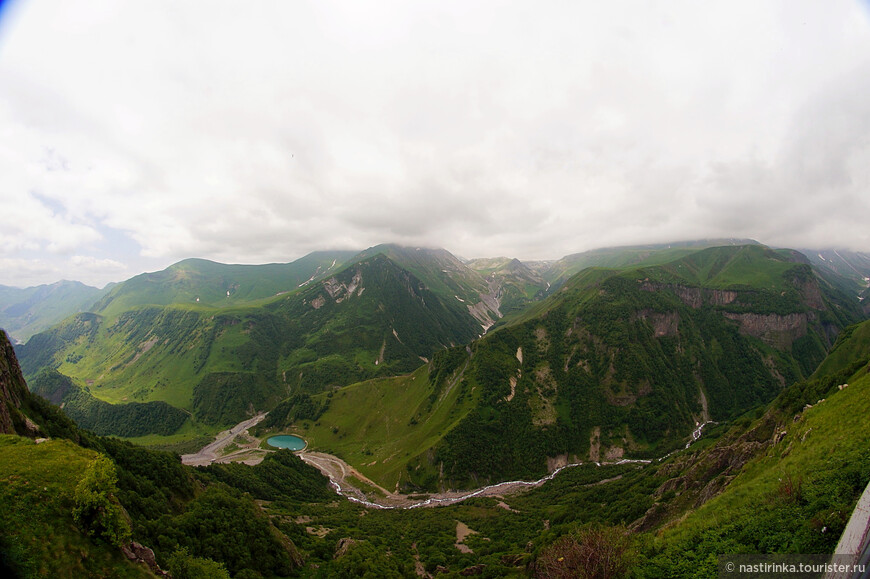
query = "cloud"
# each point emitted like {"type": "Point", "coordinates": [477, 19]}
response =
{"type": "Point", "coordinates": [259, 134]}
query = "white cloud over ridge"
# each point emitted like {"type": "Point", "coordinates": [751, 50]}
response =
{"type": "Point", "coordinates": [259, 132]}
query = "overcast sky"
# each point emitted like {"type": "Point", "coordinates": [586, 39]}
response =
{"type": "Point", "coordinates": [136, 134]}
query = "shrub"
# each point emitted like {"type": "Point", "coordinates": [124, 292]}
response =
{"type": "Point", "coordinates": [97, 510]}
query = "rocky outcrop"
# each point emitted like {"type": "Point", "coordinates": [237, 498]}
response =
{"type": "Point", "coordinates": [698, 477]}
{"type": "Point", "coordinates": [694, 297]}
{"type": "Point", "coordinates": [811, 293]}
{"type": "Point", "coordinates": [12, 387]}
{"type": "Point", "coordinates": [344, 545]}
{"type": "Point", "coordinates": [775, 330]}
{"type": "Point", "coordinates": [340, 291]}
{"type": "Point", "coordinates": [664, 324]}
{"type": "Point", "coordinates": [144, 556]}
{"type": "Point", "coordinates": [721, 297]}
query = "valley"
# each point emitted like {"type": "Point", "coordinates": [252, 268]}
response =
{"type": "Point", "coordinates": [355, 486]}
{"type": "Point", "coordinates": [673, 402]}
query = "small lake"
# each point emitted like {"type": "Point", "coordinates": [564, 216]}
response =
{"type": "Point", "coordinates": [286, 441]}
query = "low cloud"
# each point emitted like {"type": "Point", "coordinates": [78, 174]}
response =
{"type": "Point", "coordinates": [489, 129]}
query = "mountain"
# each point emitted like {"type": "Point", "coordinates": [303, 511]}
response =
{"type": "Point", "coordinates": [372, 318]}
{"type": "Point", "coordinates": [849, 269]}
{"type": "Point", "coordinates": [616, 363]}
{"type": "Point", "coordinates": [211, 284]}
{"type": "Point", "coordinates": [80, 505]}
{"type": "Point", "coordinates": [448, 277]}
{"type": "Point", "coordinates": [13, 390]}
{"type": "Point", "coordinates": [782, 477]}
{"type": "Point", "coordinates": [852, 265]}
{"type": "Point", "coordinates": [629, 256]}
{"type": "Point", "coordinates": [518, 285]}
{"type": "Point", "coordinates": [782, 480]}
{"type": "Point", "coordinates": [24, 312]}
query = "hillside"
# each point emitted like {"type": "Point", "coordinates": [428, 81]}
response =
{"type": "Point", "coordinates": [24, 312]}
{"type": "Point", "coordinates": [781, 478]}
{"type": "Point", "coordinates": [853, 266]}
{"type": "Point", "coordinates": [79, 505]}
{"type": "Point", "coordinates": [211, 284]}
{"type": "Point", "coordinates": [373, 318]}
{"type": "Point", "coordinates": [627, 363]}
{"type": "Point", "coordinates": [791, 477]}
{"type": "Point", "coordinates": [617, 363]}
{"type": "Point", "coordinates": [629, 256]}
{"type": "Point", "coordinates": [518, 284]}
{"type": "Point", "coordinates": [462, 289]}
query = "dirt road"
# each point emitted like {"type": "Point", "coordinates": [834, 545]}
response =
{"type": "Point", "coordinates": [211, 452]}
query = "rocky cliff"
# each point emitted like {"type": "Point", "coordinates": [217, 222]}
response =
{"type": "Point", "coordinates": [12, 389]}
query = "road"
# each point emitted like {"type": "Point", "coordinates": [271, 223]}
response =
{"type": "Point", "coordinates": [212, 452]}
{"type": "Point", "coordinates": [339, 472]}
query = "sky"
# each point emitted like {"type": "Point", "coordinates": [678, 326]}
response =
{"type": "Point", "coordinates": [137, 134]}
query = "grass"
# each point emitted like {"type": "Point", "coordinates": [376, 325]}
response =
{"type": "Point", "coordinates": [189, 438]}
{"type": "Point", "coordinates": [834, 429]}
{"type": "Point", "coordinates": [371, 425]}
{"type": "Point", "coordinates": [37, 483]}
{"type": "Point", "coordinates": [852, 344]}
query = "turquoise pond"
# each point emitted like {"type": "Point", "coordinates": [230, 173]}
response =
{"type": "Point", "coordinates": [286, 441]}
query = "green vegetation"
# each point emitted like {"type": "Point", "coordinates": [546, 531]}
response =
{"type": "Point", "coordinates": [371, 319]}
{"type": "Point", "coordinates": [852, 345]}
{"type": "Point", "coordinates": [128, 420]}
{"type": "Point", "coordinates": [199, 281]}
{"type": "Point", "coordinates": [182, 565]}
{"type": "Point", "coordinates": [38, 492]}
{"type": "Point", "coordinates": [281, 476]}
{"type": "Point", "coordinates": [96, 510]}
{"type": "Point", "coordinates": [25, 312]}
{"type": "Point", "coordinates": [593, 370]}
{"type": "Point", "coordinates": [618, 362]}
{"type": "Point", "coordinates": [382, 425]}
{"type": "Point", "coordinates": [796, 497]}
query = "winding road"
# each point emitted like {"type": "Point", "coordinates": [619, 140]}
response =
{"type": "Point", "coordinates": [212, 452]}
{"type": "Point", "coordinates": [338, 472]}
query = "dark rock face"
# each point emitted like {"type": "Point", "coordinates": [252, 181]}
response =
{"type": "Point", "coordinates": [145, 556]}
{"type": "Point", "coordinates": [12, 387]}
{"type": "Point", "coordinates": [775, 330]}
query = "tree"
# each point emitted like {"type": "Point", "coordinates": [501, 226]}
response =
{"type": "Point", "coordinates": [183, 565]}
{"type": "Point", "coordinates": [596, 552]}
{"type": "Point", "coordinates": [97, 510]}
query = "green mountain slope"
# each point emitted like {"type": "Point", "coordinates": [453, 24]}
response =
{"type": "Point", "coordinates": [37, 484]}
{"type": "Point", "coordinates": [518, 284]}
{"type": "Point", "coordinates": [211, 284]}
{"type": "Point", "coordinates": [854, 266]}
{"type": "Point", "coordinates": [193, 519]}
{"type": "Point", "coordinates": [127, 420]}
{"type": "Point", "coordinates": [616, 363]}
{"type": "Point", "coordinates": [462, 289]}
{"type": "Point", "coordinates": [24, 312]}
{"type": "Point", "coordinates": [627, 363]}
{"type": "Point", "coordinates": [791, 478]}
{"type": "Point", "coordinates": [373, 318]}
{"type": "Point", "coordinates": [630, 256]}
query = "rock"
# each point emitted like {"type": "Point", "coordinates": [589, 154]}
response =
{"type": "Point", "coordinates": [441, 569]}
{"type": "Point", "coordinates": [140, 554]}
{"type": "Point", "coordinates": [343, 547]}
{"type": "Point", "coordinates": [473, 570]}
